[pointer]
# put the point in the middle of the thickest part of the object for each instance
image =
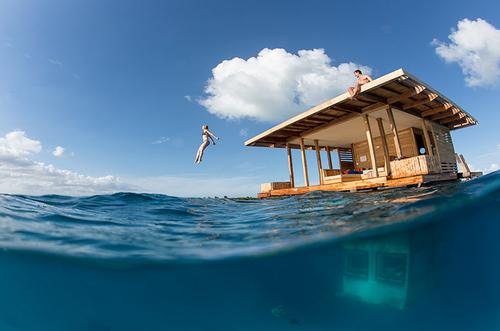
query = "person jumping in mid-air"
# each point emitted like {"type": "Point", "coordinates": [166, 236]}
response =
{"type": "Point", "coordinates": [207, 136]}
{"type": "Point", "coordinates": [362, 79]}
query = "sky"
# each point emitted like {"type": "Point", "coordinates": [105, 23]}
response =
{"type": "Point", "coordinates": [104, 96]}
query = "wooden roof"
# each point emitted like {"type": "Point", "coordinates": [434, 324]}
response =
{"type": "Point", "coordinates": [399, 89]}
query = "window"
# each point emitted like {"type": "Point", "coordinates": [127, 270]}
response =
{"type": "Point", "coordinates": [356, 263]}
{"type": "Point", "coordinates": [419, 139]}
{"type": "Point", "coordinates": [391, 267]}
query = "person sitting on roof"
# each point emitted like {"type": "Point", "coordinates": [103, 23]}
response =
{"type": "Point", "coordinates": [362, 79]}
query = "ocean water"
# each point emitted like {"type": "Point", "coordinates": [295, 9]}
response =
{"type": "Point", "coordinates": [402, 259]}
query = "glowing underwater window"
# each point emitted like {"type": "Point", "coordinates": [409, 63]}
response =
{"type": "Point", "coordinates": [391, 267]}
{"type": "Point", "coordinates": [356, 263]}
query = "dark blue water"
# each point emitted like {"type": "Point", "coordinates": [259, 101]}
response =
{"type": "Point", "coordinates": [402, 259]}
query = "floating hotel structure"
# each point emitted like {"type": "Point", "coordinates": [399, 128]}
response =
{"type": "Point", "coordinates": [395, 132]}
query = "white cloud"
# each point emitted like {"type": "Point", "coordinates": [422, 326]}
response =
{"type": "Point", "coordinates": [193, 185]}
{"type": "Point", "coordinates": [161, 140]}
{"type": "Point", "coordinates": [244, 132]}
{"type": "Point", "coordinates": [58, 151]}
{"type": "Point", "coordinates": [55, 62]}
{"type": "Point", "coordinates": [188, 98]}
{"type": "Point", "coordinates": [16, 144]}
{"type": "Point", "coordinates": [486, 170]}
{"type": "Point", "coordinates": [275, 84]}
{"type": "Point", "coordinates": [475, 47]}
{"type": "Point", "coordinates": [21, 175]}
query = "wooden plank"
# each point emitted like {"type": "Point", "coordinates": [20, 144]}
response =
{"type": "Point", "coordinates": [290, 165]}
{"type": "Point", "coordinates": [413, 142]}
{"type": "Point", "coordinates": [436, 143]}
{"type": "Point", "coordinates": [394, 129]}
{"type": "Point", "coordinates": [385, 147]}
{"type": "Point", "coordinates": [447, 113]}
{"type": "Point", "coordinates": [428, 144]}
{"type": "Point", "coordinates": [410, 93]}
{"type": "Point", "coordinates": [327, 124]}
{"type": "Point", "coordinates": [318, 160]}
{"type": "Point", "coordinates": [453, 118]}
{"type": "Point", "coordinates": [428, 98]}
{"type": "Point", "coordinates": [329, 154]}
{"type": "Point", "coordinates": [433, 111]}
{"type": "Point", "coordinates": [346, 109]}
{"type": "Point", "coordinates": [369, 137]}
{"type": "Point", "coordinates": [304, 162]}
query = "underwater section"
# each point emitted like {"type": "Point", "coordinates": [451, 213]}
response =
{"type": "Point", "coordinates": [416, 259]}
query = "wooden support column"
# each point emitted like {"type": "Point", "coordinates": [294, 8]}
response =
{"type": "Point", "coordinates": [304, 162]}
{"type": "Point", "coordinates": [387, 160]}
{"type": "Point", "coordinates": [394, 130]}
{"type": "Point", "coordinates": [290, 165]}
{"type": "Point", "coordinates": [318, 160]}
{"type": "Point", "coordinates": [427, 138]}
{"type": "Point", "coordinates": [329, 154]}
{"type": "Point", "coordinates": [369, 137]}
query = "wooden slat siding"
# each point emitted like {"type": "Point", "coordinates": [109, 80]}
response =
{"type": "Point", "coordinates": [394, 130]}
{"type": "Point", "coordinates": [436, 145]}
{"type": "Point", "coordinates": [413, 166]}
{"type": "Point", "coordinates": [445, 149]}
{"type": "Point", "coordinates": [318, 160]}
{"type": "Point", "coordinates": [304, 162]}
{"type": "Point", "coordinates": [385, 148]}
{"type": "Point", "coordinates": [290, 165]}
{"type": "Point", "coordinates": [414, 142]}
{"type": "Point", "coordinates": [361, 148]}
{"type": "Point", "coordinates": [428, 145]}
{"type": "Point", "coordinates": [329, 155]}
{"type": "Point", "coordinates": [371, 147]}
{"type": "Point", "coordinates": [346, 158]}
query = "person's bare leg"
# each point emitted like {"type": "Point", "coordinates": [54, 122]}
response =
{"type": "Point", "coordinates": [201, 150]}
{"type": "Point", "coordinates": [355, 91]}
{"type": "Point", "coordinates": [199, 153]}
{"type": "Point", "coordinates": [351, 91]}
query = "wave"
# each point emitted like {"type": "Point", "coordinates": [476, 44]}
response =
{"type": "Point", "coordinates": [165, 228]}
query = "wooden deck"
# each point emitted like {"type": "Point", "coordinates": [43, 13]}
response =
{"type": "Point", "coordinates": [364, 184]}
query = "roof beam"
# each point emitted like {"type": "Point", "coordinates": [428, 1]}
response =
{"type": "Point", "coordinates": [324, 116]}
{"type": "Point", "coordinates": [432, 111]}
{"type": "Point", "coordinates": [371, 97]}
{"type": "Point", "coordinates": [452, 118]}
{"type": "Point", "coordinates": [445, 114]}
{"type": "Point", "coordinates": [346, 109]}
{"type": "Point", "coordinates": [408, 94]}
{"type": "Point", "coordinates": [428, 98]}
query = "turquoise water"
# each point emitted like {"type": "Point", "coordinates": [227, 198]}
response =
{"type": "Point", "coordinates": [403, 259]}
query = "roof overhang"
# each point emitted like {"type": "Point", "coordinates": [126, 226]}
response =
{"type": "Point", "coordinates": [335, 121]}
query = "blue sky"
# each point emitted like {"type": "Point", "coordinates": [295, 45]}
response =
{"type": "Point", "coordinates": [105, 80]}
